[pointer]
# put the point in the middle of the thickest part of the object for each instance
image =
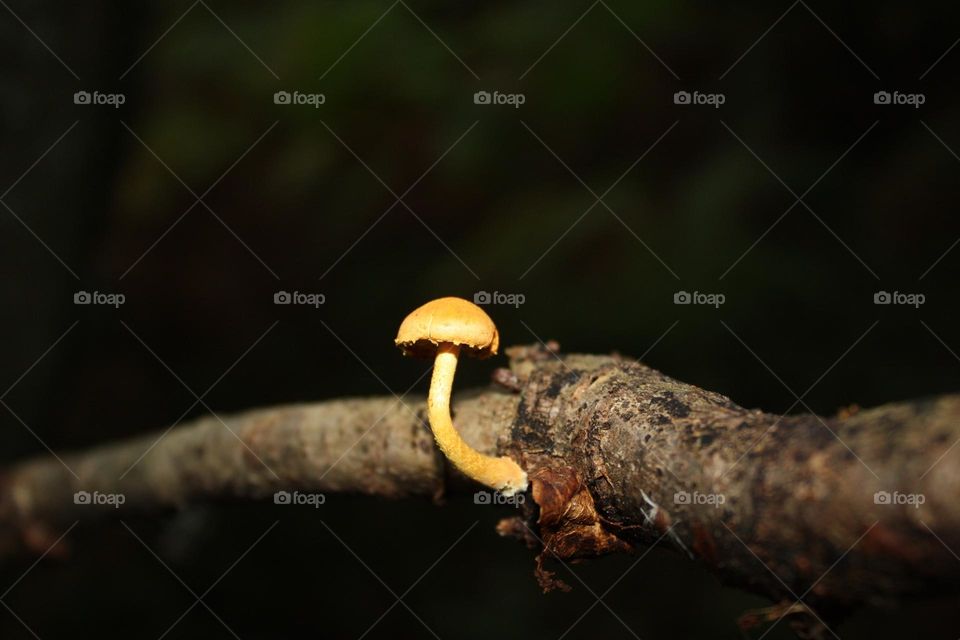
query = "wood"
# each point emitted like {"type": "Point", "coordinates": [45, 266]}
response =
{"type": "Point", "coordinates": [619, 455]}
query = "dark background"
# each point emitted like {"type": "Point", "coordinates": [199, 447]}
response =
{"type": "Point", "coordinates": [103, 210]}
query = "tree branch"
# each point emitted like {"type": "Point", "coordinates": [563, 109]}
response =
{"type": "Point", "coordinates": [619, 456]}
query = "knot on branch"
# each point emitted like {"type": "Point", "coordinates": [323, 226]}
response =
{"type": "Point", "coordinates": [551, 436]}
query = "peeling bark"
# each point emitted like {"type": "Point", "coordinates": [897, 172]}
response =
{"type": "Point", "coordinates": [619, 456]}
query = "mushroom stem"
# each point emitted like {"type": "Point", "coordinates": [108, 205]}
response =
{"type": "Point", "coordinates": [502, 474]}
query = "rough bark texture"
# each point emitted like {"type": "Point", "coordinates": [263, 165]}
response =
{"type": "Point", "coordinates": [619, 456]}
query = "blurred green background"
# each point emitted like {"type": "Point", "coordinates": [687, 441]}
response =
{"type": "Point", "coordinates": [494, 198]}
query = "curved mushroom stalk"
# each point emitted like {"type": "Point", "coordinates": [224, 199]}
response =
{"type": "Point", "coordinates": [502, 474]}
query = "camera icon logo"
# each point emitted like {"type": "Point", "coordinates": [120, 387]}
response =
{"type": "Point", "coordinates": [82, 297]}
{"type": "Point", "coordinates": [482, 297]}
{"type": "Point", "coordinates": [81, 497]}
{"type": "Point", "coordinates": [681, 497]}
{"type": "Point", "coordinates": [282, 497]}
{"type": "Point", "coordinates": [282, 297]}
{"type": "Point", "coordinates": [281, 97]}
{"type": "Point", "coordinates": [881, 97]}
{"type": "Point", "coordinates": [882, 497]}
{"type": "Point", "coordinates": [482, 97]}
{"type": "Point", "coordinates": [682, 297]}
{"type": "Point", "coordinates": [481, 497]}
{"type": "Point", "coordinates": [882, 297]}
{"type": "Point", "coordinates": [681, 97]}
{"type": "Point", "coordinates": [81, 97]}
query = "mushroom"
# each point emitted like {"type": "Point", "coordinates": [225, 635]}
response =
{"type": "Point", "coordinates": [443, 328]}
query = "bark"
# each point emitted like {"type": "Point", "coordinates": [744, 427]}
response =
{"type": "Point", "coordinates": [619, 457]}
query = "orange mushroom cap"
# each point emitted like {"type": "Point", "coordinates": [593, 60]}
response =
{"type": "Point", "coordinates": [451, 320]}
